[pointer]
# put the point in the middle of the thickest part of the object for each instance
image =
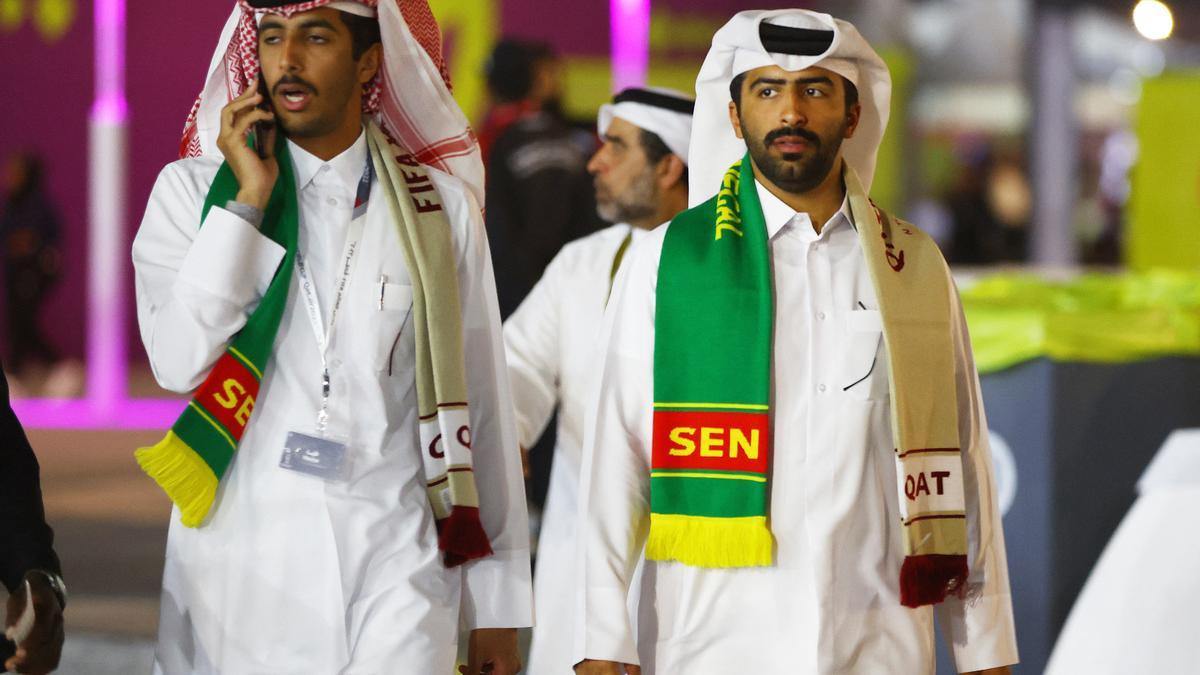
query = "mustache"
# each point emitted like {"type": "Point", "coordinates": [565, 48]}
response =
{"type": "Point", "coordinates": [292, 79]}
{"type": "Point", "coordinates": [807, 135]}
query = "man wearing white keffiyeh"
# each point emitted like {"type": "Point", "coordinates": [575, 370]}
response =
{"type": "Point", "coordinates": [315, 274]}
{"type": "Point", "coordinates": [787, 432]}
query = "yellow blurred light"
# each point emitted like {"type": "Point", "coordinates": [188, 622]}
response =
{"type": "Point", "coordinates": [1153, 19]}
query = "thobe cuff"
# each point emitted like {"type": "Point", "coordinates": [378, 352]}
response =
{"type": "Point", "coordinates": [608, 633]}
{"type": "Point", "coordinates": [980, 631]}
{"type": "Point", "coordinates": [231, 259]}
{"type": "Point", "coordinates": [497, 592]}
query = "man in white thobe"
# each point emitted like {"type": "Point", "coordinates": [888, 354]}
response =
{"type": "Point", "coordinates": [550, 340]}
{"type": "Point", "coordinates": [291, 573]}
{"type": "Point", "coordinates": [828, 602]}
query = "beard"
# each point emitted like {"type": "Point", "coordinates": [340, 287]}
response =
{"type": "Point", "coordinates": [635, 202]}
{"type": "Point", "coordinates": [796, 173]}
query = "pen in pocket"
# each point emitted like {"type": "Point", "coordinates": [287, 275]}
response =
{"type": "Point", "coordinates": [382, 286]}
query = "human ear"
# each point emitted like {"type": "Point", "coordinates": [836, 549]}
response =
{"type": "Point", "coordinates": [368, 63]}
{"type": "Point", "coordinates": [670, 171]}
{"type": "Point", "coordinates": [735, 120]}
{"type": "Point", "coordinates": [853, 115]}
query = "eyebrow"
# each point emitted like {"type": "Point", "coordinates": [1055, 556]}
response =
{"type": "Point", "coordinates": [272, 23]}
{"type": "Point", "coordinates": [318, 23]}
{"type": "Point", "coordinates": [616, 140]}
{"type": "Point", "coordinates": [820, 79]}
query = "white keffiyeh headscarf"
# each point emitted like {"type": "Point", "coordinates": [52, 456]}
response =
{"type": "Point", "coordinates": [666, 113]}
{"type": "Point", "coordinates": [738, 47]}
{"type": "Point", "coordinates": [410, 98]}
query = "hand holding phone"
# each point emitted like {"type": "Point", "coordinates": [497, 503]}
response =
{"type": "Point", "coordinates": [254, 163]}
{"type": "Point", "coordinates": [263, 128]}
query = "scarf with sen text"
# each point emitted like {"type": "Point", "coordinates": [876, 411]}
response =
{"type": "Point", "coordinates": [712, 384]}
{"type": "Point", "coordinates": [191, 460]}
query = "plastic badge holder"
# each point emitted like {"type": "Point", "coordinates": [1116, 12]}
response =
{"type": "Point", "coordinates": [315, 455]}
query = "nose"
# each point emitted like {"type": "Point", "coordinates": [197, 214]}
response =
{"type": "Point", "coordinates": [793, 108]}
{"type": "Point", "coordinates": [596, 164]}
{"type": "Point", "coordinates": [290, 55]}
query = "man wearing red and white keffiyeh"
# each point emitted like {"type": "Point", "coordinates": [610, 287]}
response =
{"type": "Point", "coordinates": [370, 181]}
{"type": "Point", "coordinates": [425, 119]}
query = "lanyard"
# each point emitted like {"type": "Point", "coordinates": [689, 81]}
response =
{"type": "Point", "coordinates": [325, 336]}
{"type": "Point", "coordinates": [616, 263]}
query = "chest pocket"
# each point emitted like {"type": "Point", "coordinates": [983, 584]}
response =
{"type": "Point", "coordinates": [392, 320]}
{"type": "Point", "coordinates": [864, 372]}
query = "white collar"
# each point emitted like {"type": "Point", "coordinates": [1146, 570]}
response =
{"type": "Point", "coordinates": [777, 214]}
{"type": "Point", "coordinates": [348, 166]}
{"type": "Point", "coordinates": [636, 233]}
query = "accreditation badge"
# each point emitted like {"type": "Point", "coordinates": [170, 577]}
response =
{"type": "Point", "coordinates": [317, 455]}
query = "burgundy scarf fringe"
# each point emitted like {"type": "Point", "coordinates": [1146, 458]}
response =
{"type": "Point", "coordinates": [461, 536]}
{"type": "Point", "coordinates": [928, 579]}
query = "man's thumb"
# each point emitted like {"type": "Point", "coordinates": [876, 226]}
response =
{"type": "Point", "coordinates": [17, 628]}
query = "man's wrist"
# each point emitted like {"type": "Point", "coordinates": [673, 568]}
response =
{"type": "Point", "coordinates": [253, 198]}
{"type": "Point", "coordinates": [247, 212]}
{"type": "Point", "coordinates": [53, 581]}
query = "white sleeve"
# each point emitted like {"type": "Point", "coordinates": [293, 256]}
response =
{"type": "Point", "coordinates": [531, 342]}
{"type": "Point", "coordinates": [497, 590]}
{"type": "Point", "coordinates": [980, 629]}
{"type": "Point", "coordinates": [195, 286]}
{"type": "Point", "coordinates": [615, 483]}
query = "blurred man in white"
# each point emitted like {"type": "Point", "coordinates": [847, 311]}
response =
{"type": "Point", "coordinates": [640, 175]}
{"type": "Point", "coordinates": [788, 417]}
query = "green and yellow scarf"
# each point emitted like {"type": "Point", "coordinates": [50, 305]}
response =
{"type": "Point", "coordinates": [712, 385]}
{"type": "Point", "coordinates": [191, 460]}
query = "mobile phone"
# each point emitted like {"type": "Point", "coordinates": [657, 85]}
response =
{"type": "Point", "coordinates": [261, 129]}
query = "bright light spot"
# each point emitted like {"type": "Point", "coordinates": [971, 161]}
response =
{"type": "Point", "coordinates": [1153, 19]}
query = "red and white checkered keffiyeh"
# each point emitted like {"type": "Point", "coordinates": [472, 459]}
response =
{"type": "Point", "coordinates": [410, 98]}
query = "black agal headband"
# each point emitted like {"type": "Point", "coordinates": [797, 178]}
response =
{"type": "Point", "coordinates": [795, 41]}
{"type": "Point", "coordinates": [656, 99]}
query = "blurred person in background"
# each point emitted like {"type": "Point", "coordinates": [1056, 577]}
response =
{"type": "Point", "coordinates": [30, 231]}
{"type": "Point", "coordinates": [1010, 198]}
{"type": "Point", "coordinates": [346, 478]}
{"type": "Point", "coordinates": [977, 237]}
{"type": "Point", "coordinates": [990, 204]}
{"type": "Point", "coordinates": [788, 427]}
{"type": "Point", "coordinates": [523, 78]}
{"type": "Point", "coordinates": [539, 194]}
{"type": "Point", "coordinates": [27, 558]}
{"type": "Point", "coordinates": [640, 176]}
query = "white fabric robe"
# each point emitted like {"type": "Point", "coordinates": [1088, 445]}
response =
{"type": "Point", "coordinates": [551, 345]}
{"type": "Point", "coordinates": [830, 603]}
{"type": "Point", "coordinates": [291, 574]}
